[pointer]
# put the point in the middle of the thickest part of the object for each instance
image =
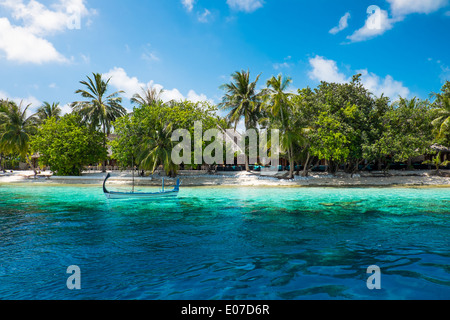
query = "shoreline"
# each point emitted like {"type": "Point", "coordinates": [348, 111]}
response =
{"type": "Point", "coordinates": [396, 179]}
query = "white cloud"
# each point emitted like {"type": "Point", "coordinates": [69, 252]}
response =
{"type": "Point", "coordinates": [376, 24]}
{"type": "Point", "coordinates": [379, 21]}
{"type": "Point", "coordinates": [405, 7]}
{"type": "Point", "coordinates": [343, 24]}
{"type": "Point", "coordinates": [194, 97]}
{"type": "Point", "coordinates": [282, 65]}
{"type": "Point", "coordinates": [245, 5]}
{"type": "Point", "coordinates": [122, 81]}
{"type": "Point", "coordinates": [204, 16]}
{"type": "Point", "coordinates": [387, 86]}
{"type": "Point", "coordinates": [26, 43]}
{"type": "Point", "coordinates": [188, 4]}
{"type": "Point", "coordinates": [278, 66]}
{"type": "Point", "coordinates": [327, 70]}
{"type": "Point", "coordinates": [18, 44]}
{"type": "Point", "coordinates": [39, 20]}
{"type": "Point", "coordinates": [131, 85]}
{"type": "Point", "coordinates": [65, 109]}
{"type": "Point", "coordinates": [149, 54]}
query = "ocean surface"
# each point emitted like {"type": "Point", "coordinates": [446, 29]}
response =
{"type": "Point", "coordinates": [225, 243]}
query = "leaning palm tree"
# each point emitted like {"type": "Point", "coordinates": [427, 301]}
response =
{"type": "Point", "coordinates": [242, 101]}
{"type": "Point", "coordinates": [16, 130]}
{"type": "Point", "coordinates": [101, 110]}
{"type": "Point", "coordinates": [277, 100]}
{"type": "Point", "coordinates": [156, 149]}
{"type": "Point", "coordinates": [279, 106]}
{"type": "Point", "coordinates": [148, 96]}
{"type": "Point", "coordinates": [442, 122]}
{"type": "Point", "coordinates": [47, 111]}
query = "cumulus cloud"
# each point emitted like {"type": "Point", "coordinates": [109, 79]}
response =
{"type": "Point", "coordinates": [131, 85]}
{"type": "Point", "coordinates": [323, 69]}
{"type": "Point", "coordinates": [245, 5]}
{"type": "Point", "coordinates": [343, 24]}
{"type": "Point", "coordinates": [405, 7]}
{"type": "Point", "coordinates": [377, 23]}
{"type": "Point", "coordinates": [18, 44]}
{"type": "Point", "coordinates": [387, 86]}
{"type": "Point", "coordinates": [26, 42]}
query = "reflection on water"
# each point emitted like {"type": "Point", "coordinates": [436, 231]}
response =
{"type": "Point", "coordinates": [225, 243]}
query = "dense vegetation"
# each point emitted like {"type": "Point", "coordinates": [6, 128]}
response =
{"type": "Point", "coordinates": [343, 124]}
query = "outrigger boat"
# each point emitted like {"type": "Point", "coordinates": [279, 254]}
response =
{"type": "Point", "coordinates": [140, 195]}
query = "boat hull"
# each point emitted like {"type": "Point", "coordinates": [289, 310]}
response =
{"type": "Point", "coordinates": [141, 196]}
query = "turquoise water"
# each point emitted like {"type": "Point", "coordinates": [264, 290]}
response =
{"type": "Point", "coordinates": [225, 243]}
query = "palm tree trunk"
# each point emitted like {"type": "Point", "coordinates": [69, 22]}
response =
{"type": "Point", "coordinates": [104, 146]}
{"type": "Point", "coordinates": [305, 169]}
{"type": "Point", "coordinates": [247, 168]}
{"type": "Point", "coordinates": [30, 163]}
{"type": "Point", "coordinates": [291, 162]}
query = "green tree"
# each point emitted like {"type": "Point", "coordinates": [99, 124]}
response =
{"type": "Point", "coordinates": [350, 105]}
{"type": "Point", "coordinates": [157, 149]}
{"type": "Point", "coordinates": [437, 162]}
{"type": "Point", "coordinates": [16, 130]}
{"type": "Point", "coordinates": [48, 110]}
{"type": "Point", "coordinates": [138, 131]}
{"type": "Point", "coordinates": [241, 100]}
{"type": "Point", "coordinates": [101, 110]}
{"type": "Point", "coordinates": [66, 146]}
{"type": "Point", "coordinates": [329, 141]}
{"type": "Point", "coordinates": [406, 131]}
{"type": "Point", "coordinates": [283, 115]}
{"type": "Point", "coordinates": [442, 120]}
{"type": "Point", "coordinates": [148, 96]}
{"type": "Point", "coordinates": [125, 145]}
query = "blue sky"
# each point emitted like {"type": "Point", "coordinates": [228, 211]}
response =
{"type": "Point", "coordinates": [191, 47]}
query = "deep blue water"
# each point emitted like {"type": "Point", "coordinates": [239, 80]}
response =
{"type": "Point", "coordinates": [225, 243]}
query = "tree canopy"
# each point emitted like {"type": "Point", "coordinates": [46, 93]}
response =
{"type": "Point", "coordinates": [66, 147]}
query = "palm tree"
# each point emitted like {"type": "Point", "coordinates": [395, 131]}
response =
{"type": "Point", "coordinates": [156, 149]}
{"type": "Point", "coordinates": [442, 122]}
{"type": "Point", "coordinates": [148, 96]}
{"type": "Point", "coordinates": [242, 100]}
{"type": "Point", "coordinates": [16, 130]}
{"type": "Point", "coordinates": [280, 107]}
{"type": "Point", "coordinates": [48, 110]}
{"type": "Point", "coordinates": [101, 110]}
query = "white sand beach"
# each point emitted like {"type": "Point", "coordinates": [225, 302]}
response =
{"type": "Point", "coordinates": [199, 178]}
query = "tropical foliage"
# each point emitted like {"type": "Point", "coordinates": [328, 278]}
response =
{"type": "Point", "coordinates": [66, 147]}
{"type": "Point", "coordinates": [47, 111]}
{"type": "Point", "coordinates": [100, 110]}
{"type": "Point", "coordinates": [342, 125]}
{"type": "Point", "coordinates": [16, 130]}
{"type": "Point", "coordinates": [144, 136]}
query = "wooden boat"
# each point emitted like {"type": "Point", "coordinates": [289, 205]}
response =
{"type": "Point", "coordinates": [140, 195]}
